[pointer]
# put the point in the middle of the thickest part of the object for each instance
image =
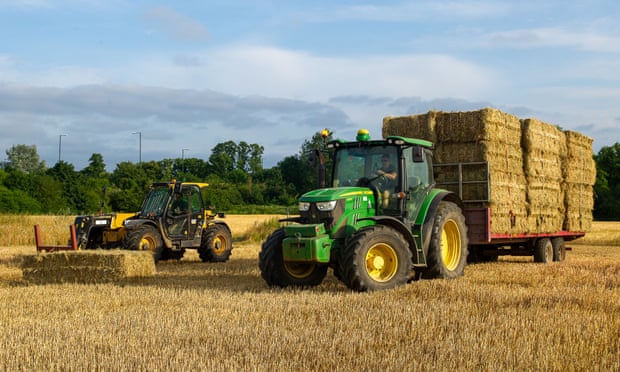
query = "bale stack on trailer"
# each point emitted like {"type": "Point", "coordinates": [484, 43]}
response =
{"type": "Point", "coordinates": [579, 173]}
{"type": "Point", "coordinates": [540, 178]}
{"type": "Point", "coordinates": [544, 154]}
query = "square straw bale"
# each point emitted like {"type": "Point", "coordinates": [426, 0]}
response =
{"type": "Point", "coordinates": [93, 266]}
{"type": "Point", "coordinates": [420, 126]}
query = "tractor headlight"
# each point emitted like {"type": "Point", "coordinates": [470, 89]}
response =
{"type": "Point", "coordinates": [326, 206]}
{"type": "Point", "coordinates": [304, 206]}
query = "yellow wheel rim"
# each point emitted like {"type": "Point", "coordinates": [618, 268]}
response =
{"type": "Point", "coordinates": [381, 262]}
{"type": "Point", "coordinates": [299, 270]}
{"type": "Point", "coordinates": [451, 245]}
{"type": "Point", "coordinates": [147, 243]}
{"type": "Point", "coordinates": [219, 244]}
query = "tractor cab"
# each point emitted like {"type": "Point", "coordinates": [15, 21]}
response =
{"type": "Point", "coordinates": [178, 205]}
{"type": "Point", "coordinates": [398, 171]}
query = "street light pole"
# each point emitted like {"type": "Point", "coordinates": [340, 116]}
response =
{"type": "Point", "coordinates": [60, 144]}
{"type": "Point", "coordinates": [139, 146]}
{"type": "Point", "coordinates": [183, 159]}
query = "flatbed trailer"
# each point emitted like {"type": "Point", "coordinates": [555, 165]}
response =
{"type": "Point", "coordinates": [486, 245]}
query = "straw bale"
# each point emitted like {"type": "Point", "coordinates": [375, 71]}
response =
{"type": "Point", "coordinates": [579, 166]}
{"type": "Point", "coordinates": [579, 205]}
{"type": "Point", "coordinates": [420, 126]}
{"type": "Point", "coordinates": [544, 148]}
{"type": "Point", "coordinates": [100, 266]}
{"type": "Point", "coordinates": [534, 168]}
{"type": "Point", "coordinates": [487, 124]}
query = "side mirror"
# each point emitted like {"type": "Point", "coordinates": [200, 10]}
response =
{"type": "Point", "coordinates": [417, 154]}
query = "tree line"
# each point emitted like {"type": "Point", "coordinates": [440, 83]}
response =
{"type": "Point", "coordinates": [234, 171]}
{"type": "Point", "coordinates": [238, 181]}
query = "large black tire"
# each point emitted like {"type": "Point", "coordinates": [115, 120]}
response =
{"type": "Point", "coordinates": [145, 238]}
{"type": "Point", "coordinates": [559, 249]}
{"type": "Point", "coordinates": [447, 251]}
{"type": "Point", "coordinates": [216, 244]}
{"type": "Point", "coordinates": [278, 273]}
{"type": "Point", "coordinates": [375, 258]}
{"type": "Point", "coordinates": [543, 251]}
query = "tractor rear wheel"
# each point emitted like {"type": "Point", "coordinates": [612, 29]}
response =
{"type": "Point", "coordinates": [145, 238]}
{"type": "Point", "coordinates": [375, 258]}
{"type": "Point", "coordinates": [216, 245]}
{"type": "Point", "coordinates": [276, 272]}
{"type": "Point", "coordinates": [447, 251]}
{"type": "Point", "coordinates": [543, 251]}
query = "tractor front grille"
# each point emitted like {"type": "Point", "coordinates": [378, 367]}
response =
{"type": "Point", "coordinates": [328, 218]}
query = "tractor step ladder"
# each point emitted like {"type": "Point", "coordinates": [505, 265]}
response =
{"type": "Point", "coordinates": [53, 248]}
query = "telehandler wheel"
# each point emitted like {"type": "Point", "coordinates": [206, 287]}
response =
{"type": "Point", "coordinates": [543, 251]}
{"type": "Point", "coordinates": [447, 251]}
{"type": "Point", "coordinates": [276, 272]}
{"type": "Point", "coordinates": [145, 238]}
{"type": "Point", "coordinates": [559, 249]}
{"type": "Point", "coordinates": [216, 245]}
{"type": "Point", "coordinates": [377, 257]}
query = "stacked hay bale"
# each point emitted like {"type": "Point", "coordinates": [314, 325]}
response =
{"type": "Point", "coordinates": [531, 171]}
{"type": "Point", "coordinates": [422, 125]}
{"type": "Point", "coordinates": [544, 151]}
{"type": "Point", "coordinates": [579, 173]}
{"type": "Point", "coordinates": [100, 266]}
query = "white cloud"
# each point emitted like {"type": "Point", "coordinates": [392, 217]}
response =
{"type": "Point", "coordinates": [175, 24]}
{"type": "Point", "coordinates": [277, 72]}
{"type": "Point", "coordinates": [555, 37]}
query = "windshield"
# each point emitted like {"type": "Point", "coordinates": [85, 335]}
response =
{"type": "Point", "coordinates": [155, 201]}
{"type": "Point", "coordinates": [353, 164]}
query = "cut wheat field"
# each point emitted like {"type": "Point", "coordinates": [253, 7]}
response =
{"type": "Point", "coordinates": [509, 315]}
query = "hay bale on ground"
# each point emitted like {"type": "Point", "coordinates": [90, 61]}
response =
{"type": "Point", "coordinates": [98, 266]}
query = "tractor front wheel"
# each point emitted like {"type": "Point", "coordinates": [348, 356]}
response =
{"type": "Point", "coordinates": [216, 245]}
{"type": "Point", "coordinates": [145, 238]}
{"type": "Point", "coordinates": [447, 251]}
{"type": "Point", "coordinates": [375, 258]}
{"type": "Point", "coordinates": [276, 272]}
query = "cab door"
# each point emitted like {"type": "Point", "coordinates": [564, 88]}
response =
{"type": "Point", "coordinates": [185, 213]}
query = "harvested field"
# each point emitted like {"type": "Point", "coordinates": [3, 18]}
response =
{"type": "Point", "coordinates": [540, 178]}
{"type": "Point", "coordinates": [509, 315]}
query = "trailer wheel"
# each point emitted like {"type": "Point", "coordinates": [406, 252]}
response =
{"type": "Point", "coordinates": [543, 251]}
{"type": "Point", "coordinates": [216, 244]}
{"type": "Point", "coordinates": [559, 249]}
{"type": "Point", "coordinates": [276, 272]}
{"type": "Point", "coordinates": [377, 257]}
{"type": "Point", "coordinates": [447, 251]}
{"type": "Point", "coordinates": [145, 238]}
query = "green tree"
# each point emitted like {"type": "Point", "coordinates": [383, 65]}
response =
{"type": "Point", "coordinates": [607, 187]}
{"type": "Point", "coordinates": [24, 158]}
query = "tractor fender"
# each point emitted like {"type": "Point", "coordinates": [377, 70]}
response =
{"type": "Point", "coordinates": [424, 221]}
{"type": "Point", "coordinates": [218, 222]}
{"type": "Point", "coordinates": [399, 226]}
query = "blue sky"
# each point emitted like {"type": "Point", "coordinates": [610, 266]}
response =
{"type": "Point", "coordinates": [192, 74]}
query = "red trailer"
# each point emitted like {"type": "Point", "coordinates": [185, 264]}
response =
{"type": "Point", "coordinates": [485, 244]}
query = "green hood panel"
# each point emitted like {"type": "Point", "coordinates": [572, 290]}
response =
{"type": "Point", "coordinates": [334, 193]}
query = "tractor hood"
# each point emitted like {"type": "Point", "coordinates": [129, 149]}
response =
{"type": "Point", "coordinates": [334, 193]}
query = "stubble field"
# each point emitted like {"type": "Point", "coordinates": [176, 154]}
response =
{"type": "Point", "coordinates": [510, 315]}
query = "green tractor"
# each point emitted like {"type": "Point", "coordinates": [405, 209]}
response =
{"type": "Point", "coordinates": [173, 218]}
{"type": "Point", "coordinates": [377, 226]}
